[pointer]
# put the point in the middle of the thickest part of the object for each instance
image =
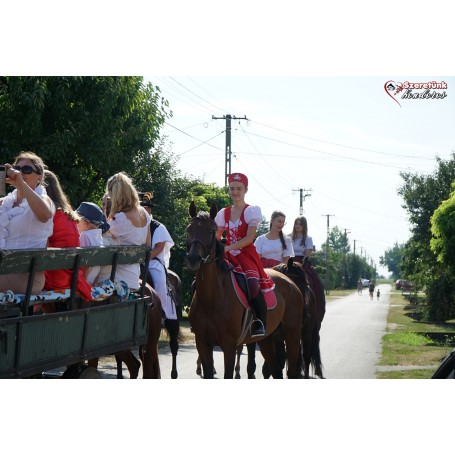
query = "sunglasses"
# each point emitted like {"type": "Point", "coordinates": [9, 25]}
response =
{"type": "Point", "coordinates": [25, 169]}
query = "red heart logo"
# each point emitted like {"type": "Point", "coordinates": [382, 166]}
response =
{"type": "Point", "coordinates": [392, 89]}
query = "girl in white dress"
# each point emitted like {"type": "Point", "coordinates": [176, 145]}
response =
{"type": "Point", "coordinates": [129, 222]}
{"type": "Point", "coordinates": [274, 247]}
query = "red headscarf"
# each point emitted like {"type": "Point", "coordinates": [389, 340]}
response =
{"type": "Point", "coordinates": [238, 177]}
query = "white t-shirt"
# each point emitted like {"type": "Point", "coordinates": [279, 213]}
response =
{"type": "Point", "coordinates": [161, 234]}
{"type": "Point", "coordinates": [92, 237]}
{"type": "Point", "coordinates": [273, 249]}
{"type": "Point", "coordinates": [125, 233]}
{"type": "Point", "coordinates": [299, 250]}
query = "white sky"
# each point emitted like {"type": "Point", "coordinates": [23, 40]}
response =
{"type": "Point", "coordinates": [342, 137]}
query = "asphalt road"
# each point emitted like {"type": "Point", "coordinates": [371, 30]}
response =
{"type": "Point", "coordinates": [351, 336]}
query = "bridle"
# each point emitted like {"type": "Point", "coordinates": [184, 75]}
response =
{"type": "Point", "coordinates": [207, 259]}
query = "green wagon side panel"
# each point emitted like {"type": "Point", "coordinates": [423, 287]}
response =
{"type": "Point", "coordinates": [50, 339]}
{"type": "Point", "coordinates": [7, 346]}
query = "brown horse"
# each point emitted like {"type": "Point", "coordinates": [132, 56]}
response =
{"type": "Point", "coordinates": [313, 315]}
{"type": "Point", "coordinates": [311, 325]}
{"type": "Point", "coordinates": [217, 316]}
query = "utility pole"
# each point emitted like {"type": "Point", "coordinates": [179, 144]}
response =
{"type": "Point", "coordinates": [302, 198]}
{"type": "Point", "coordinates": [345, 269]}
{"type": "Point", "coordinates": [355, 240]}
{"type": "Point", "coordinates": [228, 153]}
{"type": "Point", "coordinates": [327, 242]}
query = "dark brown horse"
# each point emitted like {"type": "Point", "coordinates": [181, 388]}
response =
{"type": "Point", "coordinates": [313, 315]}
{"type": "Point", "coordinates": [217, 316]}
{"type": "Point", "coordinates": [311, 323]}
{"type": "Point", "coordinates": [172, 327]}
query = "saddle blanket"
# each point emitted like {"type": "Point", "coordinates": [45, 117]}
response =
{"type": "Point", "coordinates": [270, 298]}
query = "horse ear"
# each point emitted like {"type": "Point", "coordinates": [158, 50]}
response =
{"type": "Point", "coordinates": [290, 262]}
{"type": "Point", "coordinates": [192, 210]}
{"type": "Point", "coordinates": [213, 210]}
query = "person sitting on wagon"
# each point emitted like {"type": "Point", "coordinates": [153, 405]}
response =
{"type": "Point", "coordinates": [91, 229]}
{"type": "Point", "coordinates": [26, 217]}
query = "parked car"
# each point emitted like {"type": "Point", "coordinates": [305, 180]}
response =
{"type": "Point", "coordinates": [365, 282]}
{"type": "Point", "coordinates": [447, 368]}
{"type": "Point", "coordinates": [404, 285]}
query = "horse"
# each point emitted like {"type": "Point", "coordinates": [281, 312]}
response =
{"type": "Point", "coordinates": [217, 315]}
{"type": "Point", "coordinates": [148, 352]}
{"type": "Point", "coordinates": [172, 327]}
{"type": "Point", "coordinates": [311, 325]}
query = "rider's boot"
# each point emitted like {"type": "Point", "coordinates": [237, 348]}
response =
{"type": "Point", "coordinates": [258, 326]}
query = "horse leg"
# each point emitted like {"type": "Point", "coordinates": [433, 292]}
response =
{"type": "Point", "coordinates": [129, 359]}
{"type": "Point", "coordinates": [172, 326]}
{"type": "Point", "coordinates": [229, 361]}
{"type": "Point", "coordinates": [119, 363]}
{"type": "Point", "coordinates": [199, 366]}
{"type": "Point", "coordinates": [251, 366]}
{"type": "Point", "coordinates": [205, 358]}
{"type": "Point", "coordinates": [268, 352]}
{"type": "Point", "coordinates": [237, 362]}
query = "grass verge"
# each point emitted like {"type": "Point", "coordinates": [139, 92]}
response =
{"type": "Point", "coordinates": [412, 349]}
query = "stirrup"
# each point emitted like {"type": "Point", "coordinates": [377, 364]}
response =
{"type": "Point", "coordinates": [260, 329]}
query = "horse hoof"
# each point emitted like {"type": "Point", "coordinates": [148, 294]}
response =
{"type": "Point", "coordinates": [174, 374]}
{"type": "Point", "coordinates": [199, 371]}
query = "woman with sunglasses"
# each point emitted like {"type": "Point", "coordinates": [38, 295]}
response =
{"type": "Point", "coordinates": [25, 216]}
{"type": "Point", "coordinates": [274, 247]}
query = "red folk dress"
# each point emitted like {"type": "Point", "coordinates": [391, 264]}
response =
{"type": "Point", "coordinates": [65, 235]}
{"type": "Point", "coordinates": [247, 260]}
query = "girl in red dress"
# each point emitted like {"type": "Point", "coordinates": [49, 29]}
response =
{"type": "Point", "coordinates": [240, 222]}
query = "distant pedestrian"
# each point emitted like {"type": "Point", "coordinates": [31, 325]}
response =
{"type": "Point", "coordinates": [359, 287]}
{"type": "Point", "coordinates": [371, 289]}
{"type": "Point", "coordinates": [378, 293]}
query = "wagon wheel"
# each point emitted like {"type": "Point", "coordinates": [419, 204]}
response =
{"type": "Point", "coordinates": [81, 371]}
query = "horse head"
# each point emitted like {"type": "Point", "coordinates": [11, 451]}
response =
{"type": "Point", "coordinates": [201, 244]}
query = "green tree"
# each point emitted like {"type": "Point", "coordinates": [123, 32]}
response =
{"type": "Point", "coordinates": [85, 128]}
{"type": "Point", "coordinates": [392, 259]}
{"type": "Point", "coordinates": [422, 195]}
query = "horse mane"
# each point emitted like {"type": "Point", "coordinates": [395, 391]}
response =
{"type": "Point", "coordinates": [203, 216]}
{"type": "Point", "coordinates": [293, 268]}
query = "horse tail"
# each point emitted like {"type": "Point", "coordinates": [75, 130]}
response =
{"type": "Point", "coordinates": [316, 352]}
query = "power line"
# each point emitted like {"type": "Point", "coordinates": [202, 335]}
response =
{"type": "Point", "coordinates": [341, 145]}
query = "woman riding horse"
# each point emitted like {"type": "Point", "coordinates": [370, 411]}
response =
{"type": "Point", "coordinates": [218, 314]}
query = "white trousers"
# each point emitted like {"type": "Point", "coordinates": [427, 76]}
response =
{"type": "Point", "coordinates": [159, 284]}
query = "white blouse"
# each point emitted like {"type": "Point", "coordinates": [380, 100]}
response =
{"type": "Point", "coordinates": [299, 249]}
{"type": "Point", "coordinates": [92, 237]}
{"type": "Point", "coordinates": [273, 249]}
{"type": "Point", "coordinates": [125, 233]}
{"type": "Point", "coordinates": [19, 226]}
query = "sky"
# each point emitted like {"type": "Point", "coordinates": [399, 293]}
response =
{"type": "Point", "coordinates": [342, 140]}
{"type": "Point", "coordinates": [310, 78]}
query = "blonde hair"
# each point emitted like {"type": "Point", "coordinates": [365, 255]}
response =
{"type": "Point", "coordinates": [123, 194]}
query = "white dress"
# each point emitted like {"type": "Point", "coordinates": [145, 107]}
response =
{"type": "Point", "coordinates": [92, 237]}
{"type": "Point", "coordinates": [125, 233]}
{"type": "Point", "coordinates": [157, 270]}
{"type": "Point", "coordinates": [273, 249]}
